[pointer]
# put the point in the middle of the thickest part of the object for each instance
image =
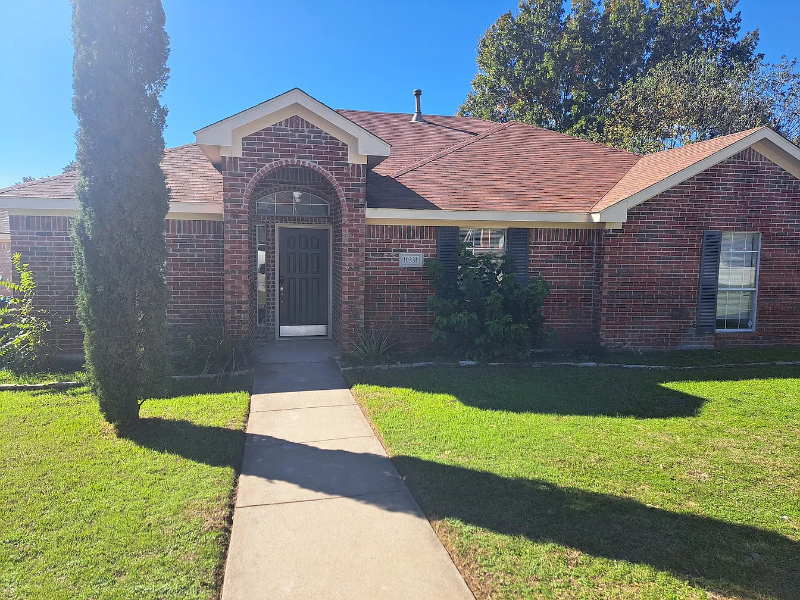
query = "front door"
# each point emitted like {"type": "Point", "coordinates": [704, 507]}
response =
{"type": "Point", "coordinates": [302, 282]}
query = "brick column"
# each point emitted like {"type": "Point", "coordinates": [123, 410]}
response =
{"type": "Point", "coordinates": [238, 309]}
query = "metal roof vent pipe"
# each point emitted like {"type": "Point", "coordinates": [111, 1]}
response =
{"type": "Point", "coordinates": [418, 118]}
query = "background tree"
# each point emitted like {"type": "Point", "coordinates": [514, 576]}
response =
{"type": "Point", "coordinates": [120, 72]}
{"type": "Point", "coordinates": [568, 71]}
{"type": "Point", "coordinates": [697, 97]}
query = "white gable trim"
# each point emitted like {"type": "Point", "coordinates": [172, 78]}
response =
{"type": "Point", "coordinates": [224, 138]}
{"type": "Point", "coordinates": [764, 141]}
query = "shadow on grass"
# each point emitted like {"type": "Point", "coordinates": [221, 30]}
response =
{"type": "Point", "coordinates": [600, 391]}
{"type": "Point", "coordinates": [716, 555]}
{"type": "Point", "coordinates": [214, 446]}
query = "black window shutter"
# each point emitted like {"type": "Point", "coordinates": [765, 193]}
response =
{"type": "Point", "coordinates": [519, 247]}
{"type": "Point", "coordinates": [446, 245]}
{"type": "Point", "coordinates": [709, 279]}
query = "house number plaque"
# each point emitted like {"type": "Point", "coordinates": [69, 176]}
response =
{"type": "Point", "coordinates": [412, 260]}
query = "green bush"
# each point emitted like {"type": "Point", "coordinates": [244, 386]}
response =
{"type": "Point", "coordinates": [22, 325]}
{"type": "Point", "coordinates": [484, 313]}
{"type": "Point", "coordinates": [370, 345]}
{"type": "Point", "coordinates": [211, 349]}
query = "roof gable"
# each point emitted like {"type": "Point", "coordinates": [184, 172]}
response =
{"type": "Point", "coordinates": [655, 173]}
{"type": "Point", "coordinates": [224, 138]}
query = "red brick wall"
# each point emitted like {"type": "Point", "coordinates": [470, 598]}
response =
{"type": "Point", "coordinates": [294, 142]}
{"type": "Point", "coordinates": [570, 261]}
{"type": "Point", "coordinates": [45, 244]}
{"type": "Point", "coordinates": [650, 273]}
{"type": "Point", "coordinates": [397, 297]}
{"type": "Point", "coordinates": [194, 271]}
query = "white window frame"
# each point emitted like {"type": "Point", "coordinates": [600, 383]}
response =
{"type": "Point", "coordinates": [490, 251]}
{"type": "Point", "coordinates": [272, 200]}
{"type": "Point", "coordinates": [752, 290]}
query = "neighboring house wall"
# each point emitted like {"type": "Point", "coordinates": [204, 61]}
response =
{"type": "Point", "coordinates": [570, 260]}
{"type": "Point", "coordinates": [294, 142]}
{"type": "Point", "coordinates": [396, 297]}
{"type": "Point", "coordinates": [45, 244]}
{"type": "Point", "coordinates": [650, 272]}
{"type": "Point", "coordinates": [194, 271]}
{"type": "Point", "coordinates": [6, 268]}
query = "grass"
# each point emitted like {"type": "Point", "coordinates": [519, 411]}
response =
{"type": "Point", "coordinates": [7, 376]}
{"type": "Point", "coordinates": [87, 514]}
{"type": "Point", "coordinates": [693, 358]}
{"type": "Point", "coordinates": [674, 358]}
{"type": "Point", "coordinates": [602, 483]}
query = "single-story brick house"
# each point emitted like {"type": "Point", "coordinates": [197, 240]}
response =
{"type": "Point", "coordinates": [309, 221]}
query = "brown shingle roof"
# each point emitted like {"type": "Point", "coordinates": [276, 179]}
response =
{"type": "Point", "coordinates": [58, 186]}
{"type": "Point", "coordinates": [413, 141]}
{"type": "Point", "coordinates": [511, 167]}
{"type": "Point", "coordinates": [190, 176]}
{"type": "Point", "coordinates": [653, 168]}
{"type": "Point", "coordinates": [457, 163]}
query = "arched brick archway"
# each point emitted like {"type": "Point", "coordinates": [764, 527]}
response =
{"type": "Point", "coordinates": [325, 156]}
{"type": "Point", "coordinates": [264, 171]}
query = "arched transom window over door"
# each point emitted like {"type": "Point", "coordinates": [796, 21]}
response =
{"type": "Point", "coordinates": [293, 204]}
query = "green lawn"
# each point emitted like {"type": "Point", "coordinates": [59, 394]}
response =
{"type": "Point", "coordinates": [603, 483]}
{"type": "Point", "coordinates": [86, 514]}
{"type": "Point", "coordinates": [62, 375]}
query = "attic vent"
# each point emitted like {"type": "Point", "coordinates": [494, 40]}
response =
{"type": "Point", "coordinates": [418, 118]}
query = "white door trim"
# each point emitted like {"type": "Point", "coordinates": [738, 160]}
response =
{"type": "Point", "coordinates": [295, 332]}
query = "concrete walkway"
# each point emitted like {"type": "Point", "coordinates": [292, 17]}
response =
{"type": "Point", "coordinates": [321, 511]}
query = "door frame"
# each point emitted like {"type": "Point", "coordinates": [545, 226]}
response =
{"type": "Point", "coordinates": [278, 227]}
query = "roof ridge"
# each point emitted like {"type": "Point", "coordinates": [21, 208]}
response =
{"type": "Point", "coordinates": [453, 148]}
{"type": "Point", "coordinates": [180, 146]}
{"type": "Point", "coordinates": [580, 139]}
{"type": "Point", "coordinates": [407, 114]}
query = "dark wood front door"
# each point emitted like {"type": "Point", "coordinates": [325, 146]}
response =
{"type": "Point", "coordinates": [302, 281]}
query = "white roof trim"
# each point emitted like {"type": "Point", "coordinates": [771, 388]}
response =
{"type": "Point", "coordinates": [18, 205]}
{"type": "Point", "coordinates": [485, 218]}
{"type": "Point", "coordinates": [200, 211]}
{"type": "Point", "coordinates": [765, 141]}
{"type": "Point", "coordinates": [224, 138]}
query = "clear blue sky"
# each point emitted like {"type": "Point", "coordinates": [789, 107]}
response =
{"type": "Point", "coordinates": [231, 54]}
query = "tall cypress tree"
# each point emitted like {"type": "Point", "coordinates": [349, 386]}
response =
{"type": "Point", "coordinates": [119, 74]}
